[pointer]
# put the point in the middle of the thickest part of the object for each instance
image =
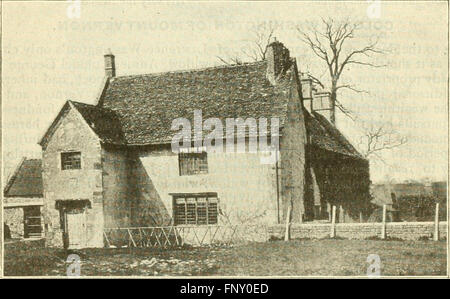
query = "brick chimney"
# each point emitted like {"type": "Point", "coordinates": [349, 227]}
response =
{"type": "Point", "coordinates": [110, 64]}
{"type": "Point", "coordinates": [278, 61]}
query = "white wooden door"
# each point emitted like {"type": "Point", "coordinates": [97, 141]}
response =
{"type": "Point", "coordinates": [76, 230]}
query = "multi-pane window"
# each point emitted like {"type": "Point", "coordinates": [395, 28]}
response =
{"type": "Point", "coordinates": [71, 160]}
{"type": "Point", "coordinates": [193, 163]}
{"type": "Point", "coordinates": [195, 209]}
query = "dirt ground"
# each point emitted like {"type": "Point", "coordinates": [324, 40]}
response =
{"type": "Point", "coordinates": [294, 258]}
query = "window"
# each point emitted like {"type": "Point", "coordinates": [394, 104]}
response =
{"type": "Point", "coordinates": [193, 163]}
{"type": "Point", "coordinates": [71, 160]}
{"type": "Point", "coordinates": [195, 209]}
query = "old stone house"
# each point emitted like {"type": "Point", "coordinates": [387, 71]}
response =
{"type": "Point", "coordinates": [112, 165]}
{"type": "Point", "coordinates": [23, 200]}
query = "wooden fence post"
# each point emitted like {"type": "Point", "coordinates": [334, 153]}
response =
{"type": "Point", "coordinates": [383, 225]}
{"type": "Point", "coordinates": [360, 217]}
{"type": "Point", "coordinates": [288, 220]}
{"type": "Point", "coordinates": [333, 222]}
{"type": "Point", "coordinates": [329, 211]}
{"type": "Point", "coordinates": [436, 223]}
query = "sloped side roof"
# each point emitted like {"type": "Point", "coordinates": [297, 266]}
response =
{"type": "Point", "coordinates": [26, 181]}
{"type": "Point", "coordinates": [147, 104]}
{"type": "Point", "coordinates": [326, 136]}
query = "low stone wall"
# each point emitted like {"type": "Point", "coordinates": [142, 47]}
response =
{"type": "Point", "coordinates": [168, 236]}
{"type": "Point", "coordinates": [400, 230]}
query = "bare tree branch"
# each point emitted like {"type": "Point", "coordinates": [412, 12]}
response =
{"type": "Point", "coordinates": [350, 114]}
{"type": "Point", "coordinates": [315, 80]}
{"type": "Point", "coordinates": [253, 49]}
{"type": "Point", "coordinates": [331, 43]}
{"type": "Point", "coordinates": [223, 60]}
{"type": "Point", "coordinates": [352, 88]}
{"type": "Point", "coordinates": [377, 138]}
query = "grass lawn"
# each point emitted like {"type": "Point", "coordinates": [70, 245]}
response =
{"type": "Point", "coordinates": [298, 257]}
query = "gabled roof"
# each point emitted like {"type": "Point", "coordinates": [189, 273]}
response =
{"type": "Point", "coordinates": [26, 181]}
{"type": "Point", "coordinates": [139, 109]}
{"type": "Point", "coordinates": [147, 104]}
{"type": "Point", "coordinates": [326, 136]}
{"type": "Point", "coordinates": [103, 122]}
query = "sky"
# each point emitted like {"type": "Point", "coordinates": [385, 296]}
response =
{"type": "Point", "coordinates": [52, 54]}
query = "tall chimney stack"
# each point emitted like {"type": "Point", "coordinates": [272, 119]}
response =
{"type": "Point", "coordinates": [321, 104]}
{"type": "Point", "coordinates": [110, 64]}
{"type": "Point", "coordinates": [278, 60]}
{"type": "Point", "coordinates": [307, 91]}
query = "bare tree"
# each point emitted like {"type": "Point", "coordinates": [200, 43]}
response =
{"type": "Point", "coordinates": [253, 49]}
{"type": "Point", "coordinates": [377, 138]}
{"type": "Point", "coordinates": [331, 43]}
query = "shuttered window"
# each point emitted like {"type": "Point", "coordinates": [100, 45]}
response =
{"type": "Point", "coordinates": [71, 160]}
{"type": "Point", "coordinates": [193, 163]}
{"type": "Point", "coordinates": [200, 209]}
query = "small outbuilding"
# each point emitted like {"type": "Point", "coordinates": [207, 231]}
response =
{"type": "Point", "coordinates": [23, 200]}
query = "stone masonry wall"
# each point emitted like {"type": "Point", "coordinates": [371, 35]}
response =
{"type": "Point", "coordinates": [293, 159]}
{"type": "Point", "coordinates": [400, 230]}
{"type": "Point", "coordinates": [117, 198]}
{"type": "Point", "coordinates": [73, 134]}
{"type": "Point", "coordinates": [244, 196]}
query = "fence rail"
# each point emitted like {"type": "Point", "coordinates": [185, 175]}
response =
{"type": "Point", "coordinates": [174, 236]}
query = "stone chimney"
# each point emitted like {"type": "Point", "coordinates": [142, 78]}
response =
{"type": "Point", "coordinates": [278, 61]}
{"type": "Point", "coordinates": [308, 90]}
{"type": "Point", "coordinates": [321, 103]}
{"type": "Point", "coordinates": [110, 64]}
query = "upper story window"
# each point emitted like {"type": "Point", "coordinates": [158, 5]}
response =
{"type": "Point", "coordinates": [71, 160]}
{"type": "Point", "coordinates": [193, 163]}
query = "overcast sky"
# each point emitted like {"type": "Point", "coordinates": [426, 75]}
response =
{"type": "Point", "coordinates": [49, 58]}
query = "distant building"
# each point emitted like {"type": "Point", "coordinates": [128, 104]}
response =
{"type": "Point", "coordinates": [23, 200]}
{"type": "Point", "coordinates": [415, 201]}
{"type": "Point", "coordinates": [411, 189]}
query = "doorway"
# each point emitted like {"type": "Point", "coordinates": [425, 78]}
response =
{"type": "Point", "coordinates": [76, 228]}
{"type": "Point", "coordinates": [73, 215]}
{"type": "Point", "coordinates": [32, 222]}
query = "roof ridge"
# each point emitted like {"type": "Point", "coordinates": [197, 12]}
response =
{"type": "Point", "coordinates": [76, 102]}
{"type": "Point", "coordinates": [91, 106]}
{"type": "Point", "coordinates": [192, 70]}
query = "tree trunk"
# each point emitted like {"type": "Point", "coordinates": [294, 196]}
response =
{"type": "Point", "coordinates": [333, 103]}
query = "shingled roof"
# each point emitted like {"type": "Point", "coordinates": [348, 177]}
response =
{"type": "Point", "coordinates": [147, 104]}
{"type": "Point", "coordinates": [139, 109]}
{"type": "Point", "coordinates": [26, 181]}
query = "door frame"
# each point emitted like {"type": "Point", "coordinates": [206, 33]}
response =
{"type": "Point", "coordinates": [73, 207]}
{"type": "Point", "coordinates": [83, 227]}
